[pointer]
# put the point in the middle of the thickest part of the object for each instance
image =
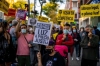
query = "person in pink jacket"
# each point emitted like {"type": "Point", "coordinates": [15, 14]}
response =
{"type": "Point", "coordinates": [63, 50]}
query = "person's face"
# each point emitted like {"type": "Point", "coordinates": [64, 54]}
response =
{"type": "Point", "coordinates": [66, 27]}
{"type": "Point", "coordinates": [88, 29]}
{"type": "Point", "coordinates": [1, 29]}
{"type": "Point", "coordinates": [74, 29]}
{"type": "Point", "coordinates": [82, 29]}
{"type": "Point", "coordinates": [49, 47]}
{"type": "Point", "coordinates": [23, 27]}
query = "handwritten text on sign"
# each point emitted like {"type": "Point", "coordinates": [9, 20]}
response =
{"type": "Point", "coordinates": [42, 33]}
{"type": "Point", "coordinates": [90, 10]}
{"type": "Point", "coordinates": [66, 15]}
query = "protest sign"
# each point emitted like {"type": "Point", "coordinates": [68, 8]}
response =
{"type": "Point", "coordinates": [21, 14]}
{"type": "Point", "coordinates": [11, 12]}
{"type": "Point", "coordinates": [90, 10]}
{"type": "Point", "coordinates": [66, 15]}
{"type": "Point", "coordinates": [32, 21]}
{"type": "Point", "coordinates": [42, 33]}
{"type": "Point", "coordinates": [4, 6]}
{"type": "Point", "coordinates": [42, 19]}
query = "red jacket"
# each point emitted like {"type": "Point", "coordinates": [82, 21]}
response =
{"type": "Point", "coordinates": [59, 40]}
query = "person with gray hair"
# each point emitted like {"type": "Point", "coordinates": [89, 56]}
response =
{"type": "Point", "coordinates": [13, 35]}
{"type": "Point", "coordinates": [89, 45]}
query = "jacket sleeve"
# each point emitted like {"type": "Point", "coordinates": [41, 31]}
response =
{"type": "Point", "coordinates": [79, 38]}
{"type": "Point", "coordinates": [94, 41]}
{"type": "Point", "coordinates": [70, 41]}
{"type": "Point", "coordinates": [59, 40]}
{"type": "Point", "coordinates": [83, 44]}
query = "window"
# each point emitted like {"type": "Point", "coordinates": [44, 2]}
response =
{"type": "Point", "coordinates": [74, 3]}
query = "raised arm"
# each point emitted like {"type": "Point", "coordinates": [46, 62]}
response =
{"type": "Point", "coordinates": [17, 29]}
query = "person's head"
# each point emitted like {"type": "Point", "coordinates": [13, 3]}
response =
{"type": "Point", "coordinates": [14, 22]}
{"type": "Point", "coordinates": [74, 30]}
{"type": "Point", "coordinates": [95, 27]}
{"type": "Point", "coordinates": [1, 28]}
{"type": "Point", "coordinates": [10, 24]}
{"type": "Point", "coordinates": [5, 23]}
{"type": "Point", "coordinates": [88, 28]}
{"type": "Point", "coordinates": [57, 30]}
{"type": "Point", "coordinates": [82, 29]}
{"type": "Point", "coordinates": [66, 28]}
{"type": "Point", "coordinates": [23, 28]}
{"type": "Point", "coordinates": [31, 30]}
{"type": "Point", "coordinates": [50, 47]}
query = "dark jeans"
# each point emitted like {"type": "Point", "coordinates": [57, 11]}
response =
{"type": "Point", "coordinates": [24, 60]}
{"type": "Point", "coordinates": [85, 62]}
{"type": "Point", "coordinates": [77, 49]}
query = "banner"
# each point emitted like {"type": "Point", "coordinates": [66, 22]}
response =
{"type": "Point", "coordinates": [42, 19]}
{"type": "Point", "coordinates": [42, 33]}
{"type": "Point", "coordinates": [4, 6]}
{"type": "Point", "coordinates": [21, 14]}
{"type": "Point", "coordinates": [90, 10]}
{"type": "Point", "coordinates": [66, 15]}
{"type": "Point", "coordinates": [32, 21]}
{"type": "Point", "coordinates": [11, 12]}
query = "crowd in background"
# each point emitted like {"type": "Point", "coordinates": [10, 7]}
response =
{"type": "Point", "coordinates": [16, 45]}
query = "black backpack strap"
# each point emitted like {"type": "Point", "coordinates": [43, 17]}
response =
{"type": "Point", "coordinates": [26, 39]}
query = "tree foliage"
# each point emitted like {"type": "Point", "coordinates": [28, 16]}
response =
{"type": "Point", "coordinates": [49, 7]}
{"type": "Point", "coordinates": [21, 4]}
{"type": "Point", "coordinates": [50, 10]}
{"type": "Point", "coordinates": [53, 16]}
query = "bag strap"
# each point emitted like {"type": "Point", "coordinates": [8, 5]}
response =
{"type": "Point", "coordinates": [26, 39]}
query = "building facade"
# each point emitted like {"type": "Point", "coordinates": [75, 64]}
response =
{"type": "Point", "coordinates": [73, 5]}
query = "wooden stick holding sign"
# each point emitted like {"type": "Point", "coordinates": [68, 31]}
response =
{"type": "Point", "coordinates": [42, 33]}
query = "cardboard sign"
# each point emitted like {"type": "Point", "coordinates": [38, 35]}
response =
{"type": "Point", "coordinates": [21, 14]}
{"type": "Point", "coordinates": [4, 6]}
{"type": "Point", "coordinates": [42, 33]}
{"type": "Point", "coordinates": [90, 10]}
{"type": "Point", "coordinates": [32, 21]}
{"type": "Point", "coordinates": [42, 19]}
{"type": "Point", "coordinates": [66, 15]}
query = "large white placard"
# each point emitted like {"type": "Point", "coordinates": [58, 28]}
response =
{"type": "Point", "coordinates": [32, 21]}
{"type": "Point", "coordinates": [42, 33]}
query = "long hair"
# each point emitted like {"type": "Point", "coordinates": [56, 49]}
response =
{"type": "Point", "coordinates": [82, 28]}
{"type": "Point", "coordinates": [2, 25]}
{"type": "Point", "coordinates": [75, 29]}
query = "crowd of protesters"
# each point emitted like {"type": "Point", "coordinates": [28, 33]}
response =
{"type": "Point", "coordinates": [16, 45]}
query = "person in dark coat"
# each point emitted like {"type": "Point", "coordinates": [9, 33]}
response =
{"type": "Point", "coordinates": [89, 45]}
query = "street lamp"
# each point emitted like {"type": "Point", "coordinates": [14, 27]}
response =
{"type": "Point", "coordinates": [28, 8]}
{"type": "Point", "coordinates": [41, 4]}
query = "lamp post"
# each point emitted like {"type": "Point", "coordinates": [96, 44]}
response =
{"type": "Point", "coordinates": [28, 8]}
{"type": "Point", "coordinates": [41, 4]}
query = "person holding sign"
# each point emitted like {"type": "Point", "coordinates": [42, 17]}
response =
{"type": "Point", "coordinates": [52, 58]}
{"type": "Point", "coordinates": [23, 48]}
